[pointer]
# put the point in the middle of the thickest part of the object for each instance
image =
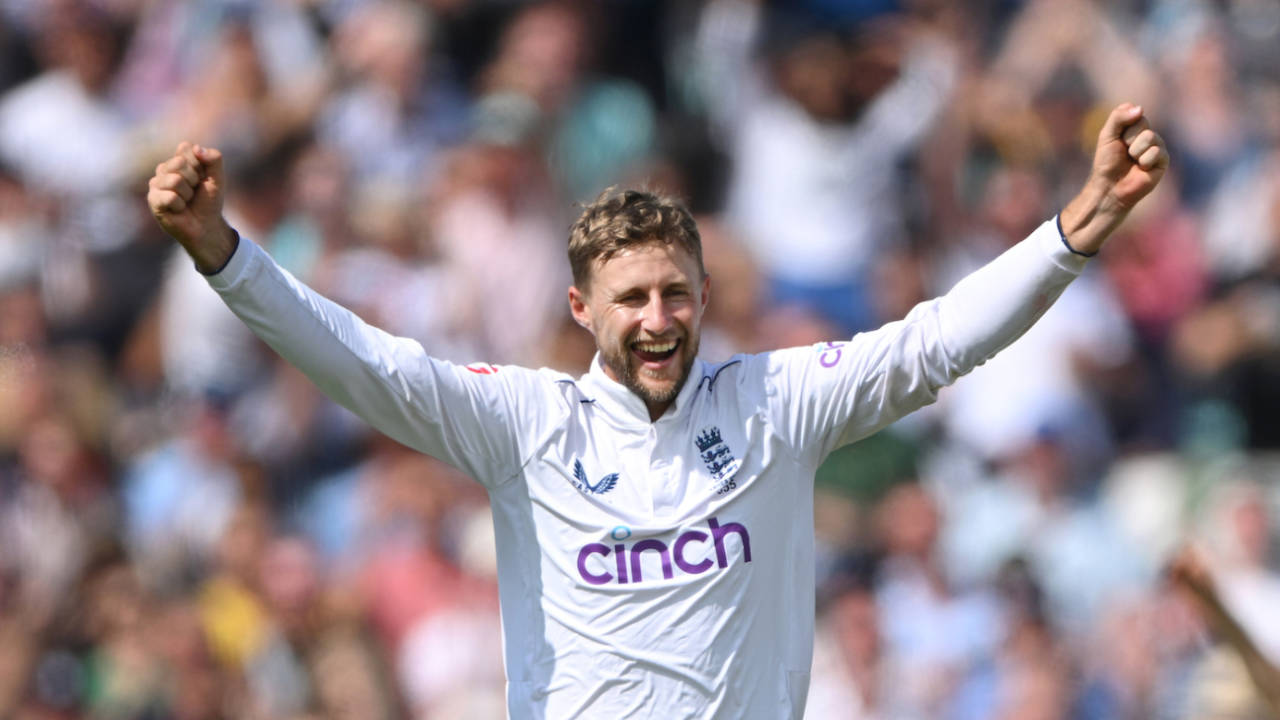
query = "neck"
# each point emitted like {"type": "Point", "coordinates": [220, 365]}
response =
{"type": "Point", "coordinates": [656, 409]}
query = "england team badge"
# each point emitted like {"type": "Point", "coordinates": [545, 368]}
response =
{"type": "Point", "coordinates": [718, 458]}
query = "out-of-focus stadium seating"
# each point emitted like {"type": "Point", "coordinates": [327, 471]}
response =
{"type": "Point", "coordinates": [189, 530]}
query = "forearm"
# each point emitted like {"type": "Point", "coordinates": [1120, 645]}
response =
{"type": "Point", "coordinates": [212, 252]}
{"type": "Point", "coordinates": [1090, 218]}
{"type": "Point", "coordinates": [882, 375]}
{"type": "Point", "coordinates": [996, 304]}
{"type": "Point", "coordinates": [431, 405]}
{"type": "Point", "coordinates": [358, 366]}
{"type": "Point", "coordinates": [1265, 675]}
{"type": "Point", "coordinates": [722, 46]}
{"type": "Point", "coordinates": [909, 108]}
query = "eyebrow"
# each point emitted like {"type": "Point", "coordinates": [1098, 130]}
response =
{"type": "Point", "coordinates": [676, 285]}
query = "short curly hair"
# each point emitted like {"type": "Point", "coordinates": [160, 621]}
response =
{"type": "Point", "coordinates": [620, 219]}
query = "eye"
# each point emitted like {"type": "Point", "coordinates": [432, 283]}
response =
{"type": "Point", "coordinates": [677, 293]}
{"type": "Point", "coordinates": [631, 298]}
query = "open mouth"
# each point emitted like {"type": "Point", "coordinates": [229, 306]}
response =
{"type": "Point", "coordinates": [655, 351]}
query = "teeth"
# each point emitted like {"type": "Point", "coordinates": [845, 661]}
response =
{"type": "Point", "coordinates": [656, 347]}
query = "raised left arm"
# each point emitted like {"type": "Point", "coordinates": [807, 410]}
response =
{"type": "Point", "coordinates": [840, 392]}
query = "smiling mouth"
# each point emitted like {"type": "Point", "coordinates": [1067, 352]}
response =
{"type": "Point", "coordinates": [655, 351]}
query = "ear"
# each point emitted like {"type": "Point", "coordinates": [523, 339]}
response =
{"type": "Point", "coordinates": [706, 292]}
{"type": "Point", "coordinates": [578, 308]}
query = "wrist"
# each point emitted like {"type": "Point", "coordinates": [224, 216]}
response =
{"type": "Point", "coordinates": [1089, 219]}
{"type": "Point", "coordinates": [1062, 235]}
{"type": "Point", "coordinates": [215, 249]}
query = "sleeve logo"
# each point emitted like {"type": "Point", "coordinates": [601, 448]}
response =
{"type": "Point", "coordinates": [830, 354]}
{"type": "Point", "coordinates": [482, 368]}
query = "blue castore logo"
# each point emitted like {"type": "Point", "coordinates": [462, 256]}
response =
{"type": "Point", "coordinates": [601, 486]}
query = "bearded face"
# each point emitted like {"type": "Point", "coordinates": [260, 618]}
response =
{"type": "Point", "coordinates": [644, 307]}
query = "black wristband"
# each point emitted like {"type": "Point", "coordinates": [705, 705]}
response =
{"type": "Point", "coordinates": [1057, 219]}
{"type": "Point", "coordinates": [235, 246]}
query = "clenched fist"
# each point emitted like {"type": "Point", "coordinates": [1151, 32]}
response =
{"type": "Point", "coordinates": [1127, 165]}
{"type": "Point", "coordinates": [1131, 157]}
{"type": "Point", "coordinates": [185, 197]}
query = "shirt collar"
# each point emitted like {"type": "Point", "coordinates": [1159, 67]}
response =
{"type": "Point", "coordinates": [623, 401]}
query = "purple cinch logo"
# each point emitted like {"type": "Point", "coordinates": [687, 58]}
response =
{"type": "Point", "coordinates": [831, 354]}
{"type": "Point", "coordinates": [627, 559]}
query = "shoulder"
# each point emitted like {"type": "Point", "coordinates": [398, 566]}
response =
{"type": "Point", "coordinates": [740, 377]}
{"type": "Point", "coordinates": [764, 364]}
{"type": "Point", "coordinates": [533, 378]}
{"type": "Point", "coordinates": [717, 375]}
{"type": "Point", "coordinates": [540, 387]}
{"type": "Point", "coordinates": [556, 385]}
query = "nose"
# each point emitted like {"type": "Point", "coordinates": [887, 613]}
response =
{"type": "Point", "coordinates": [656, 318]}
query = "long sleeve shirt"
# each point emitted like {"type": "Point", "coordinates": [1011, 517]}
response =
{"type": "Point", "coordinates": [646, 568]}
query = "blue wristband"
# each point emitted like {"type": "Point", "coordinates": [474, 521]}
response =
{"type": "Point", "coordinates": [1057, 219]}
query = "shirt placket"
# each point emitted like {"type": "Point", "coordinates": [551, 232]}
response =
{"type": "Point", "coordinates": [667, 494]}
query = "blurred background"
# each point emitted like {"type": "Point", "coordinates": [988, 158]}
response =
{"type": "Point", "coordinates": [189, 531]}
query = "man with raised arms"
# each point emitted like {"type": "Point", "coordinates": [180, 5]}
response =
{"type": "Point", "coordinates": [654, 517]}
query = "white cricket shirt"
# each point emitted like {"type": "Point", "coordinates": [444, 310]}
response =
{"type": "Point", "coordinates": [653, 569]}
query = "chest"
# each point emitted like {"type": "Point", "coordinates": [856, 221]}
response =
{"type": "Point", "coordinates": [661, 505]}
{"type": "Point", "coordinates": [660, 476]}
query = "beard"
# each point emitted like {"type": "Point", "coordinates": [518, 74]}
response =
{"type": "Point", "coordinates": [626, 366]}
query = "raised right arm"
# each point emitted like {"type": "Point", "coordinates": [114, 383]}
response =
{"type": "Point", "coordinates": [485, 423]}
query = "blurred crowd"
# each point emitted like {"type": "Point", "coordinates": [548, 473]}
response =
{"type": "Point", "coordinates": [190, 531]}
